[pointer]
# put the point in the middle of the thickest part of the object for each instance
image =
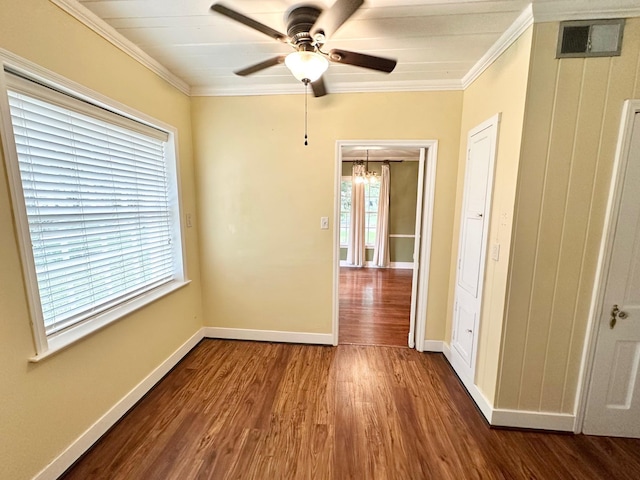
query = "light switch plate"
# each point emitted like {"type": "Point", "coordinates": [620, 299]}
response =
{"type": "Point", "coordinates": [495, 252]}
{"type": "Point", "coordinates": [324, 223]}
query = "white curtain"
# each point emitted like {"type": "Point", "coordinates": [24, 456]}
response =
{"type": "Point", "coordinates": [381, 250]}
{"type": "Point", "coordinates": [355, 250]}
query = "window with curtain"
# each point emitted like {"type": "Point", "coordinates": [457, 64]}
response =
{"type": "Point", "coordinates": [100, 202]}
{"type": "Point", "coordinates": [371, 194]}
{"type": "Point", "coordinates": [345, 210]}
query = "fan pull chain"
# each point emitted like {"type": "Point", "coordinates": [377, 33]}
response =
{"type": "Point", "coordinates": [306, 94]}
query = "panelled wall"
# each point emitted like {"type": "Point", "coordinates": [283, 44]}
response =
{"type": "Point", "coordinates": [264, 261]}
{"type": "Point", "coordinates": [571, 126]}
{"type": "Point", "coordinates": [403, 193]}
{"type": "Point", "coordinates": [500, 89]}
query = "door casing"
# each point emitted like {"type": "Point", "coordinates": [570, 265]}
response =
{"type": "Point", "coordinates": [428, 197]}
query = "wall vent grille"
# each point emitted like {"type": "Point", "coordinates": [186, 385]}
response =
{"type": "Point", "coordinates": [590, 38]}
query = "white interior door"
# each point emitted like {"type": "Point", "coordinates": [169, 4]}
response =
{"type": "Point", "coordinates": [474, 223]}
{"type": "Point", "coordinates": [613, 405]}
{"type": "Point", "coordinates": [416, 251]}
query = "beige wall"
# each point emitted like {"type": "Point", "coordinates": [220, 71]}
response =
{"type": "Point", "coordinates": [44, 407]}
{"type": "Point", "coordinates": [571, 126]}
{"type": "Point", "coordinates": [259, 190]}
{"type": "Point", "coordinates": [500, 89]}
{"type": "Point", "coordinates": [265, 262]}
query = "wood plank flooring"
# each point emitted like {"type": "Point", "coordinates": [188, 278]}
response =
{"type": "Point", "coordinates": [375, 306]}
{"type": "Point", "coordinates": [244, 410]}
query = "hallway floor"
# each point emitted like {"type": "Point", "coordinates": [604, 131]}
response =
{"type": "Point", "coordinates": [375, 306]}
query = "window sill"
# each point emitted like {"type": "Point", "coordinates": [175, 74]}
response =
{"type": "Point", "coordinates": [62, 340]}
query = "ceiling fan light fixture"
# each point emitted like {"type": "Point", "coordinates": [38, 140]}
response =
{"type": "Point", "coordinates": [306, 65]}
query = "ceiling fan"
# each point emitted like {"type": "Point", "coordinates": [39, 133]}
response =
{"type": "Point", "coordinates": [308, 28]}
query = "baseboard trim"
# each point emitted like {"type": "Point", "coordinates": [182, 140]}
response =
{"type": "Point", "coordinates": [368, 264]}
{"type": "Point", "coordinates": [501, 417]}
{"type": "Point", "coordinates": [446, 349]}
{"type": "Point", "coordinates": [478, 397]}
{"type": "Point", "coordinates": [74, 451]}
{"type": "Point", "coordinates": [268, 335]}
{"type": "Point", "coordinates": [535, 420]}
{"type": "Point", "coordinates": [433, 346]}
{"type": "Point", "coordinates": [469, 383]}
{"type": "Point", "coordinates": [402, 265]}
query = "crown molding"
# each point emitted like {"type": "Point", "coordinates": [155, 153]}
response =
{"type": "Point", "coordinates": [508, 38]}
{"type": "Point", "coordinates": [397, 86]}
{"type": "Point", "coordinates": [106, 31]}
{"type": "Point", "coordinates": [351, 87]}
{"type": "Point", "coordinates": [556, 11]}
{"type": "Point", "coordinates": [538, 12]}
{"type": "Point", "coordinates": [247, 90]}
{"type": "Point", "coordinates": [561, 10]}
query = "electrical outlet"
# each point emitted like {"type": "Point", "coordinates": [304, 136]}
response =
{"type": "Point", "coordinates": [324, 223]}
{"type": "Point", "coordinates": [495, 252]}
{"type": "Point", "coordinates": [188, 220]}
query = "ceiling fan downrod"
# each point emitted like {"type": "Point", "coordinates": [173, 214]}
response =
{"type": "Point", "coordinates": [306, 95]}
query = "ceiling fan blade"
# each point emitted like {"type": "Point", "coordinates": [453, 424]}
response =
{"type": "Point", "coordinates": [361, 60]}
{"type": "Point", "coordinates": [332, 19]}
{"type": "Point", "coordinates": [260, 66]}
{"type": "Point", "coordinates": [319, 88]}
{"type": "Point", "coordinates": [249, 22]}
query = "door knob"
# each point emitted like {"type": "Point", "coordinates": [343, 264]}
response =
{"type": "Point", "coordinates": [615, 314]}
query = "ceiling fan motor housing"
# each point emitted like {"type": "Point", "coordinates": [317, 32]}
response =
{"type": "Point", "coordinates": [300, 21]}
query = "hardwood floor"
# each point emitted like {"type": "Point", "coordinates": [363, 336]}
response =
{"type": "Point", "coordinates": [244, 410]}
{"type": "Point", "coordinates": [375, 306]}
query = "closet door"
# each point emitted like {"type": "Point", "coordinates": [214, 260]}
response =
{"type": "Point", "coordinates": [472, 250]}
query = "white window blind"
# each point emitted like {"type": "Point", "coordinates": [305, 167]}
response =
{"type": "Point", "coordinates": [97, 197]}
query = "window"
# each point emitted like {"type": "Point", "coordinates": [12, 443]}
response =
{"type": "Point", "coordinates": [345, 210]}
{"type": "Point", "coordinates": [371, 196]}
{"type": "Point", "coordinates": [98, 193]}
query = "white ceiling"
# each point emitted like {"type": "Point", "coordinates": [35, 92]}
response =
{"type": "Point", "coordinates": [436, 42]}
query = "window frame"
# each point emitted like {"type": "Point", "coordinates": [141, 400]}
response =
{"type": "Point", "coordinates": [347, 179]}
{"type": "Point", "coordinates": [46, 345]}
{"type": "Point", "coordinates": [367, 213]}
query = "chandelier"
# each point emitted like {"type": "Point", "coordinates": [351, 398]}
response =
{"type": "Point", "coordinates": [364, 175]}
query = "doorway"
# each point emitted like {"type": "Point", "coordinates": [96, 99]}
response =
{"type": "Point", "coordinates": [380, 293]}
